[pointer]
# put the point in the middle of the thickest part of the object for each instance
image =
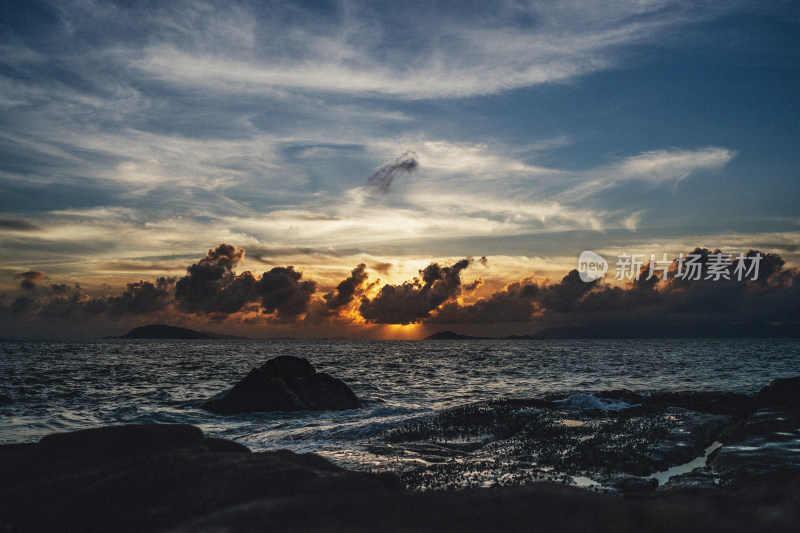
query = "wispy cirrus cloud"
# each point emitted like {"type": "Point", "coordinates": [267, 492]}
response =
{"type": "Point", "coordinates": [358, 52]}
{"type": "Point", "coordinates": [652, 168]}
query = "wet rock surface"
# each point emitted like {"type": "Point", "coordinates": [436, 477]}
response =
{"type": "Point", "coordinates": [610, 441]}
{"type": "Point", "coordinates": [767, 443]}
{"type": "Point", "coordinates": [285, 383]}
{"type": "Point", "coordinates": [508, 444]}
{"type": "Point", "coordinates": [632, 484]}
{"type": "Point", "coordinates": [172, 478]}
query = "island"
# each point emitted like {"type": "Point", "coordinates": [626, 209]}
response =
{"type": "Point", "coordinates": [161, 331]}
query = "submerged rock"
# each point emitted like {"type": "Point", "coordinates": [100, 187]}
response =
{"type": "Point", "coordinates": [285, 383]}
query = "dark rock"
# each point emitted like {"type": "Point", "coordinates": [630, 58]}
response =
{"type": "Point", "coordinates": [783, 392]}
{"type": "Point", "coordinates": [624, 395]}
{"type": "Point", "coordinates": [632, 484]}
{"type": "Point", "coordinates": [92, 480]}
{"type": "Point", "coordinates": [285, 383]}
{"type": "Point", "coordinates": [765, 445]}
{"type": "Point", "coordinates": [218, 445]}
{"type": "Point", "coordinates": [178, 483]}
{"type": "Point", "coordinates": [97, 444]}
{"type": "Point", "coordinates": [723, 403]}
{"type": "Point", "coordinates": [322, 392]}
{"type": "Point", "coordinates": [689, 439]}
{"type": "Point", "coordinates": [286, 366]}
{"type": "Point", "coordinates": [540, 507]}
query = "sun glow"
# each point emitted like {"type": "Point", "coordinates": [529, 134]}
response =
{"type": "Point", "coordinates": [402, 331]}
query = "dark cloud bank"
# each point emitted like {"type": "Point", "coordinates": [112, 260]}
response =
{"type": "Point", "coordinates": [413, 301]}
{"type": "Point", "coordinates": [659, 306]}
{"type": "Point", "coordinates": [570, 307]}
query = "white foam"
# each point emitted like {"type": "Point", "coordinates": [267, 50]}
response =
{"type": "Point", "coordinates": [587, 401]}
{"type": "Point", "coordinates": [584, 482]}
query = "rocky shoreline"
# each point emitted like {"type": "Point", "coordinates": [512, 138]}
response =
{"type": "Point", "coordinates": [172, 478]}
{"type": "Point", "coordinates": [616, 441]}
{"type": "Point", "coordinates": [165, 477]}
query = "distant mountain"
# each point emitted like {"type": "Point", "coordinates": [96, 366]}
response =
{"type": "Point", "coordinates": [646, 330]}
{"type": "Point", "coordinates": [160, 331]}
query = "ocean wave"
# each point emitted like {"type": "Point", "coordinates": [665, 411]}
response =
{"type": "Point", "coordinates": [581, 402]}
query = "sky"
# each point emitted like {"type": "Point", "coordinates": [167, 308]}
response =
{"type": "Point", "coordinates": [290, 168]}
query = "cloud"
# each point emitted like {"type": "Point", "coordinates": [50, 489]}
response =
{"type": "Point", "coordinates": [23, 304]}
{"type": "Point", "coordinates": [300, 104]}
{"type": "Point", "coordinates": [30, 280]}
{"type": "Point", "coordinates": [653, 168]}
{"type": "Point", "coordinates": [564, 296]}
{"type": "Point", "coordinates": [17, 225]}
{"type": "Point", "coordinates": [348, 289]}
{"type": "Point", "coordinates": [515, 303]}
{"type": "Point", "coordinates": [283, 293]}
{"type": "Point", "coordinates": [382, 178]}
{"type": "Point", "coordinates": [143, 297]}
{"type": "Point", "coordinates": [672, 165]}
{"type": "Point", "coordinates": [178, 167]}
{"type": "Point", "coordinates": [413, 301]}
{"type": "Point", "coordinates": [518, 302]}
{"type": "Point", "coordinates": [474, 285]}
{"type": "Point", "coordinates": [213, 290]}
{"type": "Point", "coordinates": [225, 255]}
{"type": "Point", "coordinates": [212, 287]}
{"type": "Point", "coordinates": [475, 50]}
{"type": "Point", "coordinates": [772, 297]}
{"type": "Point", "coordinates": [54, 301]}
{"type": "Point", "coordinates": [383, 268]}
{"type": "Point", "coordinates": [475, 161]}
{"type": "Point", "coordinates": [70, 305]}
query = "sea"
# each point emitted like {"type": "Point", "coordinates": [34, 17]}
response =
{"type": "Point", "coordinates": [62, 386]}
